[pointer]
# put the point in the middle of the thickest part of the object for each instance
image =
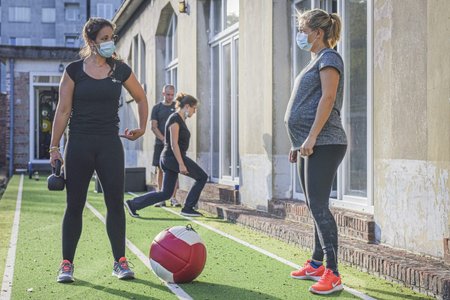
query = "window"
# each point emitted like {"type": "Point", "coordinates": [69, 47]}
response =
{"type": "Point", "coordinates": [171, 46]}
{"type": "Point", "coordinates": [225, 14]}
{"type": "Point", "coordinates": [105, 10]}
{"type": "Point", "coordinates": [48, 42]}
{"type": "Point", "coordinates": [171, 53]}
{"type": "Point", "coordinates": [137, 59]}
{"type": "Point", "coordinates": [351, 186]}
{"type": "Point", "coordinates": [19, 14]}
{"type": "Point", "coordinates": [136, 54]}
{"type": "Point", "coordinates": [143, 60]}
{"type": "Point", "coordinates": [48, 15]}
{"type": "Point", "coordinates": [72, 11]}
{"type": "Point", "coordinates": [23, 41]}
{"type": "Point", "coordinates": [355, 113]}
{"type": "Point", "coordinates": [71, 41]}
{"type": "Point", "coordinates": [3, 77]}
{"type": "Point", "coordinates": [224, 92]}
{"type": "Point", "coordinates": [16, 41]}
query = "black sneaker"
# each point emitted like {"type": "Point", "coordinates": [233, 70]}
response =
{"type": "Point", "coordinates": [130, 210]}
{"type": "Point", "coordinates": [190, 212]}
{"type": "Point", "coordinates": [65, 274]}
{"type": "Point", "coordinates": [122, 270]}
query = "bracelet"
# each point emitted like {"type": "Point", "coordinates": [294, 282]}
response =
{"type": "Point", "coordinates": [53, 149]}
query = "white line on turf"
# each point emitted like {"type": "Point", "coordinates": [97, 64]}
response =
{"type": "Point", "coordinates": [265, 252]}
{"type": "Point", "coordinates": [5, 292]}
{"type": "Point", "coordinates": [174, 288]}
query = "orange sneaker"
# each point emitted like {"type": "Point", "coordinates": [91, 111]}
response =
{"type": "Point", "coordinates": [327, 284]}
{"type": "Point", "coordinates": [308, 272]}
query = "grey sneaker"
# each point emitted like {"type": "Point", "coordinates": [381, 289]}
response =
{"type": "Point", "coordinates": [65, 274]}
{"type": "Point", "coordinates": [122, 270]}
{"type": "Point", "coordinates": [174, 202]}
{"type": "Point", "coordinates": [159, 204]}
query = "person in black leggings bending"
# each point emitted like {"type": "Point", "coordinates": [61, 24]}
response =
{"type": "Point", "coordinates": [89, 95]}
{"type": "Point", "coordinates": [174, 161]}
{"type": "Point", "coordinates": [315, 130]}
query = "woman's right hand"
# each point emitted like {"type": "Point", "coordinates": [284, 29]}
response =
{"type": "Point", "coordinates": [183, 170]}
{"type": "Point", "coordinates": [54, 156]}
{"type": "Point", "coordinates": [293, 156]}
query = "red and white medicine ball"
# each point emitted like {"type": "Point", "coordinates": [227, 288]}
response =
{"type": "Point", "coordinates": [177, 254]}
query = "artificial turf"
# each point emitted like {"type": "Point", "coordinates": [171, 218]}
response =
{"type": "Point", "coordinates": [232, 271]}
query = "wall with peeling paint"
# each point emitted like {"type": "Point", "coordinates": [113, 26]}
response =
{"type": "Point", "coordinates": [412, 124]}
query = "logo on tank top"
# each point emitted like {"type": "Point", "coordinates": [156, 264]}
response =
{"type": "Point", "coordinates": [115, 80]}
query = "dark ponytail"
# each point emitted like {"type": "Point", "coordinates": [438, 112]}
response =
{"type": "Point", "coordinates": [182, 99]}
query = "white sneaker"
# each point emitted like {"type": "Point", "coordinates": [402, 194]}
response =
{"type": "Point", "coordinates": [162, 203]}
{"type": "Point", "coordinates": [174, 203]}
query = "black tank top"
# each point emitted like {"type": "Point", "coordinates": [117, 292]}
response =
{"type": "Point", "coordinates": [183, 136]}
{"type": "Point", "coordinates": [95, 103]}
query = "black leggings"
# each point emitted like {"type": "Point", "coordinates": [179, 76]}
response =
{"type": "Point", "coordinates": [83, 155]}
{"type": "Point", "coordinates": [321, 169]}
{"type": "Point", "coordinates": [171, 170]}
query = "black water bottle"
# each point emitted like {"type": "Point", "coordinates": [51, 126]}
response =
{"type": "Point", "coordinates": [55, 182]}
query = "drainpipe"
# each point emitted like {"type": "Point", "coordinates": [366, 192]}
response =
{"type": "Point", "coordinates": [88, 9]}
{"type": "Point", "coordinates": [11, 118]}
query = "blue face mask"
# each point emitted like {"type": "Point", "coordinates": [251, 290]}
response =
{"type": "Point", "coordinates": [106, 49]}
{"type": "Point", "coordinates": [302, 41]}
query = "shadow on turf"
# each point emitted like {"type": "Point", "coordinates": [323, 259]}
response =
{"type": "Point", "coordinates": [203, 290]}
{"type": "Point", "coordinates": [125, 294]}
{"type": "Point", "coordinates": [157, 219]}
{"type": "Point", "coordinates": [397, 295]}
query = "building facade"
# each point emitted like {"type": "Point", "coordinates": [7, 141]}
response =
{"type": "Point", "coordinates": [240, 59]}
{"type": "Point", "coordinates": [49, 22]}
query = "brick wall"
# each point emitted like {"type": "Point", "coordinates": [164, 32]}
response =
{"type": "Point", "coordinates": [4, 131]}
{"type": "Point", "coordinates": [21, 120]}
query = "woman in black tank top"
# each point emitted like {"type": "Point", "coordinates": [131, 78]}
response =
{"type": "Point", "coordinates": [174, 161]}
{"type": "Point", "coordinates": [89, 95]}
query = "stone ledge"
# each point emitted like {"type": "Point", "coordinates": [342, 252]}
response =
{"type": "Point", "coordinates": [423, 274]}
{"type": "Point", "coordinates": [350, 223]}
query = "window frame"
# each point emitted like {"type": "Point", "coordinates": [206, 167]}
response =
{"type": "Point", "coordinates": [228, 36]}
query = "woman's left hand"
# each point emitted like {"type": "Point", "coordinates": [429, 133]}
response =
{"type": "Point", "coordinates": [133, 134]}
{"type": "Point", "coordinates": [307, 147]}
